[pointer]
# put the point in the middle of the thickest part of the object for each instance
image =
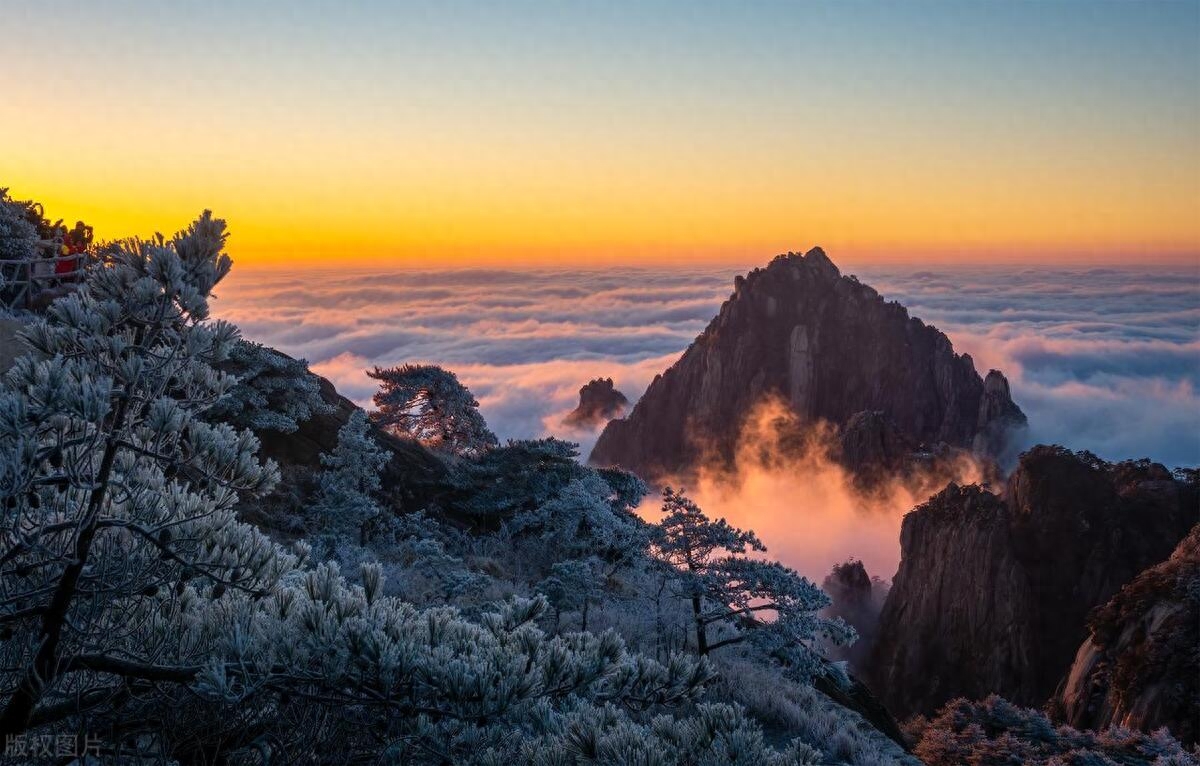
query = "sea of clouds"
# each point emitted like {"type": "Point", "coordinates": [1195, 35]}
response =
{"type": "Point", "coordinates": [1101, 359]}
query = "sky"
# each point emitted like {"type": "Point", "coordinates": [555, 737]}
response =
{"type": "Point", "coordinates": [584, 135]}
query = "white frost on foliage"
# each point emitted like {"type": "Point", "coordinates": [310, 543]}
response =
{"type": "Point", "coordinates": [350, 482]}
{"type": "Point", "coordinates": [760, 602]}
{"type": "Point", "coordinates": [429, 404]}
{"type": "Point", "coordinates": [272, 392]}
{"type": "Point", "coordinates": [133, 600]}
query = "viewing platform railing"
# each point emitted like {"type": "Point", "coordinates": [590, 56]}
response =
{"type": "Point", "coordinates": [21, 280]}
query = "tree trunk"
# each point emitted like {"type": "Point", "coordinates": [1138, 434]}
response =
{"type": "Point", "coordinates": [701, 633]}
{"type": "Point", "coordinates": [45, 667]}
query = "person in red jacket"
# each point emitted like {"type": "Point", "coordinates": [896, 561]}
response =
{"type": "Point", "coordinates": [75, 243]}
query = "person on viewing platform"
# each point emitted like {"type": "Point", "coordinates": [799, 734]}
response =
{"type": "Point", "coordinates": [75, 243]}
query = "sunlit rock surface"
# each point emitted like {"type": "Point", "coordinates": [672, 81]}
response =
{"type": "Point", "coordinates": [1139, 666]}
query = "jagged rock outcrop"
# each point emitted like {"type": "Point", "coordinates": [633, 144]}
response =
{"type": "Point", "coordinates": [599, 401]}
{"type": "Point", "coordinates": [856, 598]}
{"type": "Point", "coordinates": [993, 592]}
{"type": "Point", "coordinates": [999, 416]}
{"type": "Point", "coordinates": [829, 347]}
{"type": "Point", "coordinates": [872, 443]}
{"type": "Point", "coordinates": [1140, 665]}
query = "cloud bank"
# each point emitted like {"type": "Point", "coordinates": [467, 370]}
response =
{"type": "Point", "coordinates": [523, 341]}
{"type": "Point", "coordinates": [1100, 359]}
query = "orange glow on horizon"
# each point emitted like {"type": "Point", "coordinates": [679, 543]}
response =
{"type": "Point", "coordinates": [587, 135]}
{"type": "Point", "coordinates": [313, 233]}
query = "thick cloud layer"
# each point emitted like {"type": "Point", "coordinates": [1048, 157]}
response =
{"type": "Point", "coordinates": [524, 342]}
{"type": "Point", "coordinates": [1100, 359]}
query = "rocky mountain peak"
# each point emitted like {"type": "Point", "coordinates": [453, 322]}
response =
{"type": "Point", "coordinates": [995, 384]}
{"type": "Point", "coordinates": [816, 260]}
{"type": "Point", "coordinates": [827, 346]}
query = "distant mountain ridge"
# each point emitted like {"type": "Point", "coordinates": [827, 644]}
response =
{"type": "Point", "coordinates": [828, 346]}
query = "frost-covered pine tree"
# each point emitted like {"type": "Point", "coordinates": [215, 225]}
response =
{"type": "Point", "coordinates": [136, 608]}
{"type": "Point", "coordinates": [112, 490]}
{"type": "Point", "coordinates": [753, 600]}
{"type": "Point", "coordinates": [350, 482]}
{"type": "Point", "coordinates": [273, 392]}
{"type": "Point", "coordinates": [429, 404]}
{"type": "Point", "coordinates": [571, 586]}
{"type": "Point", "coordinates": [18, 234]}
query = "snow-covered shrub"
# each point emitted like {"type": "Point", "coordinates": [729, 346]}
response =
{"type": "Point", "coordinates": [792, 709]}
{"type": "Point", "coordinates": [18, 234]}
{"type": "Point", "coordinates": [584, 518]}
{"type": "Point", "coordinates": [273, 392]}
{"type": "Point", "coordinates": [422, 686]}
{"type": "Point", "coordinates": [994, 731]}
{"type": "Point", "coordinates": [429, 404]}
{"type": "Point", "coordinates": [114, 492]}
{"type": "Point", "coordinates": [520, 476]}
{"type": "Point", "coordinates": [715, 735]}
{"type": "Point", "coordinates": [418, 565]}
{"type": "Point", "coordinates": [571, 586]}
{"type": "Point", "coordinates": [348, 486]}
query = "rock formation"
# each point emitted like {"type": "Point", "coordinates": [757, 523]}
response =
{"type": "Point", "coordinates": [829, 347]}
{"type": "Point", "coordinates": [993, 593]}
{"type": "Point", "coordinates": [856, 598]}
{"type": "Point", "coordinates": [1140, 665]}
{"type": "Point", "coordinates": [599, 401]}
{"type": "Point", "coordinates": [871, 443]}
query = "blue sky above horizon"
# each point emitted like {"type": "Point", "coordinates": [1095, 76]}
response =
{"type": "Point", "coordinates": [573, 133]}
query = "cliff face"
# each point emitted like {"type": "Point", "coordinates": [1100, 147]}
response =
{"type": "Point", "coordinates": [993, 593]}
{"type": "Point", "coordinates": [1140, 665]}
{"type": "Point", "coordinates": [828, 346]}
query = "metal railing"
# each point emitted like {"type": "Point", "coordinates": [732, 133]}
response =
{"type": "Point", "coordinates": [22, 280]}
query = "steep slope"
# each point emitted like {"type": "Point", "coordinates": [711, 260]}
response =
{"type": "Point", "coordinates": [1140, 665]}
{"type": "Point", "coordinates": [412, 479]}
{"type": "Point", "coordinates": [993, 593]}
{"type": "Point", "coordinates": [827, 345]}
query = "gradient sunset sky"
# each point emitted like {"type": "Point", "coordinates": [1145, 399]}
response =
{"type": "Point", "coordinates": [583, 133]}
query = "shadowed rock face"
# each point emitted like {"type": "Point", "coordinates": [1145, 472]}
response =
{"type": "Point", "coordinates": [599, 401]}
{"type": "Point", "coordinates": [993, 593]}
{"type": "Point", "coordinates": [872, 443]}
{"type": "Point", "coordinates": [830, 348]}
{"type": "Point", "coordinates": [1140, 665]}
